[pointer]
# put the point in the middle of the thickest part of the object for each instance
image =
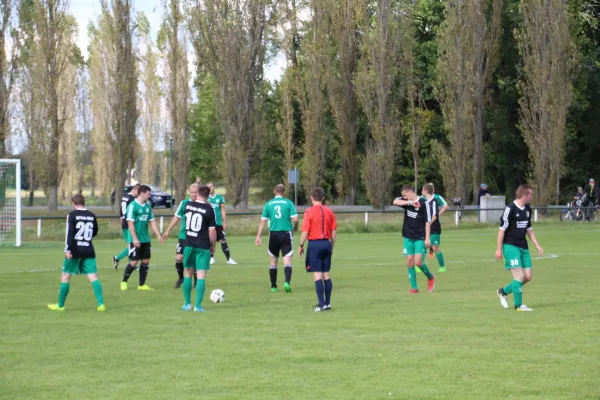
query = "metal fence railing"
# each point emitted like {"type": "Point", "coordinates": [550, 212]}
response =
{"type": "Point", "coordinates": [454, 215]}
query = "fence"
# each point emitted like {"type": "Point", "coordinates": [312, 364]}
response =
{"type": "Point", "coordinates": [454, 216]}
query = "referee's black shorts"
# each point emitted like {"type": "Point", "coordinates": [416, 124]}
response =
{"type": "Point", "coordinates": [281, 242]}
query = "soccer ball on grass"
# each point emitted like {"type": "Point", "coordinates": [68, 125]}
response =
{"type": "Point", "coordinates": [217, 296]}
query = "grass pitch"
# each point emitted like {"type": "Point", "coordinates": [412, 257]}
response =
{"type": "Point", "coordinates": [377, 343]}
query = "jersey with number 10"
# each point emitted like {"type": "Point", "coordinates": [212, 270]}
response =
{"type": "Point", "coordinates": [279, 211]}
{"type": "Point", "coordinates": [141, 215]}
{"type": "Point", "coordinates": [216, 201]}
{"type": "Point", "coordinates": [81, 228]}
{"type": "Point", "coordinates": [199, 216]}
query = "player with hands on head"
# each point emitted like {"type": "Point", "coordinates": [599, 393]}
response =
{"type": "Point", "coordinates": [416, 232]}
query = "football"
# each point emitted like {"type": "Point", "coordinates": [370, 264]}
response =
{"type": "Point", "coordinates": [217, 296]}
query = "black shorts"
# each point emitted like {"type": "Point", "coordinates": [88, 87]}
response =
{"type": "Point", "coordinates": [318, 256]}
{"type": "Point", "coordinates": [281, 241]}
{"type": "Point", "coordinates": [220, 233]}
{"type": "Point", "coordinates": [179, 247]}
{"type": "Point", "coordinates": [143, 253]}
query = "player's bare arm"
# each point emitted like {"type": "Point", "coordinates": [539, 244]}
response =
{"type": "Point", "coordinates": [333, 237]}
{"type": "Point", "coordinates": [442, 210]}
{"type": "Point", "coordinates": [134, 238]}
{"type": "Point", "coordinates": [224, 216]}
{"type": "Point", "coordinates": [261, 227]}
{"type": "Point", "coordinates": [303, 239]}
{"type": "Point", "coordinates": [427, 234]}
{"type": "Point", "coordinates": [156, 232]}
{"type": "Point", "coordinates": [295, 220]}
{"type": "Point", "coordinates": [174, 222]}
{"type": "Point", "coordinates": [499, 244]}
{"type": "Point", "coordinates": [212, 236]}
{"type": "Point", "coordinates": [534, 240]}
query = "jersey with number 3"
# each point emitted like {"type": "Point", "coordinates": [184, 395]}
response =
{"type": "Point", "coordinates": [81, 228]}
{"type": "Point", "coordinates": [279, 212]}
{"type": "Point", "coordinates": [515, 222]}
{"type": "Point", "coordinates": [199, 216]}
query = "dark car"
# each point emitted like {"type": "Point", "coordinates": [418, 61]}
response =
{"type": "Point", "coordinates": [158, 198]}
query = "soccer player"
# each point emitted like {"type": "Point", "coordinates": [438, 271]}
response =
{"type": "Point", "coordinates": [179, 215]}
{"type": "Point", "coordinates": [515, 226]}
{"type": "Point", "coordinates": [139, 216]}
{"type": "Point", "coordinates": [319, 228]}
{"type": "Point", "coordinates": [80, 256]}
{"type": "Point", "coordinates": [201, 237]}
{"type": "Point", "coordinates": [218, 204]}
{"type": "Point", "coordinates": [416, 233]}
{"type": "Point", "coordinates": [125, 202]}
{"type": "Point", "coordinates": [280, 212]}
{"type": "Point", "coordinates": [436, 228]}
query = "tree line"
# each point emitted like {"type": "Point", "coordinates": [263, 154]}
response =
{"type": "Point", "coordinates": [374, 95]}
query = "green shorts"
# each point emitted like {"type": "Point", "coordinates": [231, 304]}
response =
{"type": "Point", "coordinates": [413, 247]}
{"type": "Point", "coordinates": [516, 257]}
{"type": "Point", "coordinates": [435, 239]}
{"type": "Point", "coordinates": [196, 258]}
{"type": "Point", "coordinates": [75, 266]}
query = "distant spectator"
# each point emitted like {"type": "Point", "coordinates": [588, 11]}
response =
{"type": "Point", "coordinates": [198, 181]}
{"type": "Point", "coordinates": [483, 191]}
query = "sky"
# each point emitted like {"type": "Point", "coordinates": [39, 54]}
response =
{"type": "Point", "coordinates": [89, 10]}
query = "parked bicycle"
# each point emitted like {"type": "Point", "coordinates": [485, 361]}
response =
{"type": "Point", "coordinates": [577, 213]}
{"type": "Point", "coordinates": [457, 201]}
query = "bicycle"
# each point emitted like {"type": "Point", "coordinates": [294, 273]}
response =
{"type": "Point", "coordinates": [457, 201]}
{"type": "Point", "coordinates": [574, 213]}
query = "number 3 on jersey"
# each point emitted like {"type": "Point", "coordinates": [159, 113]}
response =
{"type": "Point", "coordinates": [277, 212]}
{"type": "Point", "coordinates": [193, 222]}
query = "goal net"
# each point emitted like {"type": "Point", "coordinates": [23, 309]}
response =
{"type": "Point", "coordinates": [10, 202]}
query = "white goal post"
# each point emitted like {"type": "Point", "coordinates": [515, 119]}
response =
{"type": "Point", "coordinates": [10, 201]}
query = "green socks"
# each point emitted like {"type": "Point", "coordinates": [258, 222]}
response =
{"type": "Point", "coordinates": [62, 294]}
{"type": "Point", "coordinates": [412, 278]}
{"type": "Point", "coordinates": [122, 254]}
{"type": "Point", "coordinates": [508, 289]}
{"type": "Point", "coordinates": [517, 289]}
{"type": "Point", "coordinates": [440, 258]}
{"type": "Point", "coordinates": [187, 290]}
{"type": "Point", "coordinates": [97, 286]}
{"type": "Point", "coordinates": [200, 289]}
{"type": "Point", "coordinates": [426, 271]}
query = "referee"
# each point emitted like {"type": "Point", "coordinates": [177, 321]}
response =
{"type": "Point", "coordinates": [319, 228]}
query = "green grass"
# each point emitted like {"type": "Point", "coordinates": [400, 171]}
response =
{"type": "Point", "coordinates": [377, 343]}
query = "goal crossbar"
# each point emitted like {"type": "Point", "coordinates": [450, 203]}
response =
{"type": "Point", "coordinates": [17, 216]}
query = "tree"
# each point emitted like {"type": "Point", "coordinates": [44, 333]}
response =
{"type": "Point", "coordinates": [341, 18]}
{"type": "Point", "coordinates": [149, 103]}
{"type": "Point", "coordinates": [7, 71]}
{"type": "Point", "coordinates": [229, 37]}
{"type": "Point", "coordinates": [549, 59]}
{"type": "Point", "coordinates": [380, 89]}
{"type": "Point", "coordinates": [467, 56]}
{"type": "Point", "coordinates": [114, 94]}
{"type": "Point", "coordinates": [54, 33]}
{"type": "Point", "coordinates": [172, 43]}
{"type": "Point", "coordinates": [312, 100]}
